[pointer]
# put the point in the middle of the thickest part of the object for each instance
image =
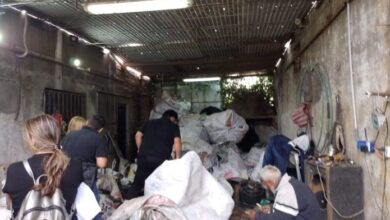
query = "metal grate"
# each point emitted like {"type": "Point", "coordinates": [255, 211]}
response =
{"type": "Point", "coordinates": [210, 28]}
{"type": "Point", "coordinates": [68, 104]}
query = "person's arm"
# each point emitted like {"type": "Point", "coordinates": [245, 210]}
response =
{"type": "Point", "coordinates": [101, 154]}
{"type": "Point", "coordinates": [178, 146]}
{"type": "Point", "coordinates": [138, 139]}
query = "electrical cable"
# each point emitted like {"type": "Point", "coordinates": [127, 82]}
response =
{"type": "Point", "coordinates": [326, 113]}
{"type": "Point", "coordinates": [26, 50]}
{"type": "Point", "coordinates": [330, 202]}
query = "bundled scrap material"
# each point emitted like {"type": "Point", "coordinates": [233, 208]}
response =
{"type": "Point", "coordinates": [166, 103]}
{"type": "Point", "coordinates": [225, 126]}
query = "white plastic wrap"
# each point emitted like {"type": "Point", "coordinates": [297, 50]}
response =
{"type": "Point", "coordinates": [154, 207]}
{"type": "Point", "coordinates": [233, 167]}
{"type": "Point", "coordinates": [254, 156]}
{"type": "Point", "coordinates": [166, 103]}
{"type": "Point", "coordinates": [189, 185]}
{"type": "Point", "coordinates": [193, 134]}
{"type": "Point", "coordinates": [255, 175]}
{"type": "Point", "coordinates": [5, 214]}
{"type": "Point", "coordinates": [225, 126]}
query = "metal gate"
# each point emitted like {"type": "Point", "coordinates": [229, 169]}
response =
{"type": "Point", "coordinates": [67, 103]}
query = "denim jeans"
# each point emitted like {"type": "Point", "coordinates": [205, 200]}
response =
{"type": "Point", "coordinates": [97, 196]}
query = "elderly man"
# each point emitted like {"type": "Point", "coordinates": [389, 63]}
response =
{"type": "Point", "coordinates": [293, 199]}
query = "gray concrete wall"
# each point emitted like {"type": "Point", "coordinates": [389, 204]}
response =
{"type": "Point", "coordinates": [370, 49]}
{"type": "Point", "coordinates": [23, 80]}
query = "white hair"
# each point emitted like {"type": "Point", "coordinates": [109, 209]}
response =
{"type": "Point", "coordinates": [270, 173]}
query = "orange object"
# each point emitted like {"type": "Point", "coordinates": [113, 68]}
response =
{"type": "Point", "coordinates": [301, 115]}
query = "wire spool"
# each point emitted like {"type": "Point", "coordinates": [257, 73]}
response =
{"type": "Point", "coordinates": [314, 89]}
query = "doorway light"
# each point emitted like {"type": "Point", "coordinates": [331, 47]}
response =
{"type": "Point", "coordinates": [206, 79]}
{"type": "Point", "coordinates": [112, 7]}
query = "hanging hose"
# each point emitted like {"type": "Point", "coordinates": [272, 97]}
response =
{"type": "Point", "coordinates": [24, 38]}
{"type": "Point", "coordinates": [327, 107]}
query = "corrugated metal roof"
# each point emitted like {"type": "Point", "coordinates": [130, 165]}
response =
{"type": "Point", "coordinates": [233, 29]}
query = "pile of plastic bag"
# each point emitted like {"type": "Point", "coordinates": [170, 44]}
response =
{"type": "Point", "coordinates": [193, 135]}
{"type": "Point", "coordinates": [230, 164]}
{"type": "Point", "coordinates": [110, 196]}
{"type": "Point", "coordinates": [181, 189]}
{"type": "Point", "coordinates": [166, 102]}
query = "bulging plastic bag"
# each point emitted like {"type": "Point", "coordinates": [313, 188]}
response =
{"type": "Point", "coordinates": [189, 185]}
{"type": "Point", "coordinates": [166, 103]}
{"type": "Point", "coordinates": [225, 126]}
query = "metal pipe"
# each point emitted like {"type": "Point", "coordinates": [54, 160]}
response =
{"type": "Point", "coordinates": [380, 94]}
{"type": "Point", "coordinates": [351, 70]}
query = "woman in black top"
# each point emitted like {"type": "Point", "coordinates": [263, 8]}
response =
{"type": "Point", "coordinates": [42, 134]}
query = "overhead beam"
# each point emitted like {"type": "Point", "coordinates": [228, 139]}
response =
{"type": "Point", "coordinates": [208, 61]}
{"type": "Point", "coordinates": [220, 70]}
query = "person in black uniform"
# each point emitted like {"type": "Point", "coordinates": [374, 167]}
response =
{"type": "Point", "coordinates": [87, 146]}
{"type": "Point", "coordinates": [155, 141]}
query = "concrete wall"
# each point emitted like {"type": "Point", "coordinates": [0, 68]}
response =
{"type": "Point", "coordinates": [23, 80]}
{"type": "Point", "coordinates": [329, 54]}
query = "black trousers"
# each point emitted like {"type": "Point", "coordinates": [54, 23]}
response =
{"type": "Point", "coordinates": [146, 166]}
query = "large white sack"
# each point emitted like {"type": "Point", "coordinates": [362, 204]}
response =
{"type": "Point", "coordinates": [225, 126]}
{"type": "Point", "coordinates": [193, 134]}
{"type": "Point", "coordinates": [166, 103]}
{"type": "Point", "coordinates": [196, 192]}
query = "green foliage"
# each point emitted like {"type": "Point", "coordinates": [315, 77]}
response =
{"type": "Point", "coordinates": [233, 89]}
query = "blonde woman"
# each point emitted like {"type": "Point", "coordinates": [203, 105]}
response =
{"type": "Point", "coordinates": [76, 123]}
{"type": "Point", "coordinates": [42, 135]}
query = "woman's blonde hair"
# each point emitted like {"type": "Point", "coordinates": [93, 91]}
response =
{"type": "Point", "coordinates": [43, 135]}
{"type": "Point", "coordinates": [76, 123]}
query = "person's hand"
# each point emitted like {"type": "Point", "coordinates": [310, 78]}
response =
{"type": "Point", "coordinates": [251, 214]}
{"type": "Point", "coordinates": [265, 209]}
